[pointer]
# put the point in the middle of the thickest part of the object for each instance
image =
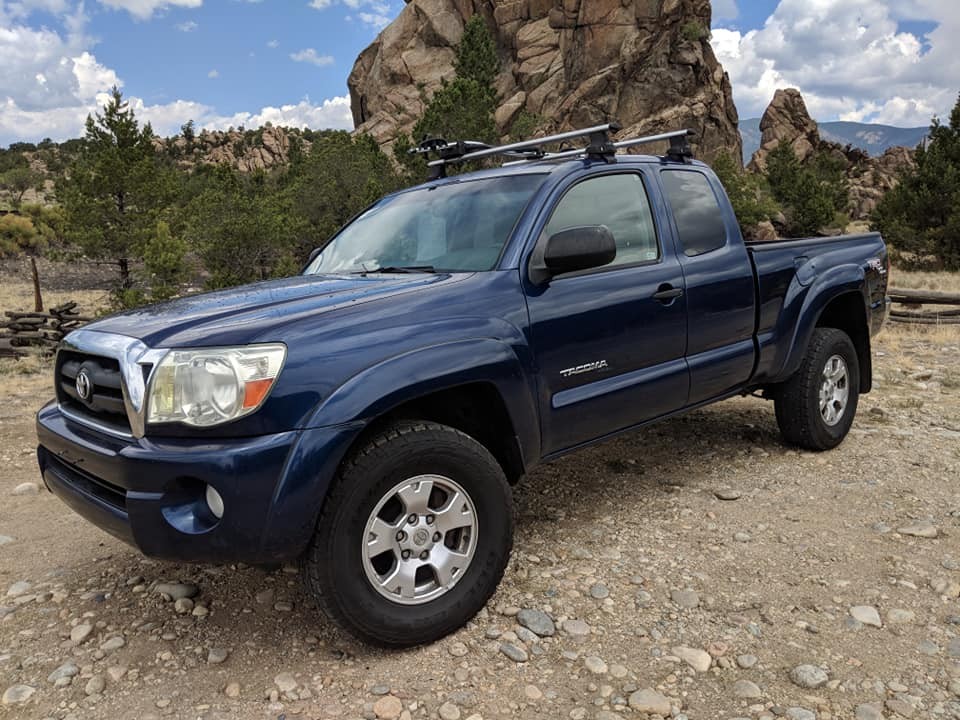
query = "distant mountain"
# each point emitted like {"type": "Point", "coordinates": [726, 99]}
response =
{"type": "Point", "coordinates": [875, 139]}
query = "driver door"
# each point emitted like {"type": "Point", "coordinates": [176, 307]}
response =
{"type": "Point", "coordinates": [609, 342]}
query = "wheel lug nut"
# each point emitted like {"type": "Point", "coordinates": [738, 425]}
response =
{"type": "Point", "coordinates": [405, 554]}
{"type": "Point", "coordinates": [401, 536]}
{"type": "Point", "coordinates": [429, 519]}
{"type": "Point", "coordinates": [424, 555]}
{"type": "Point", "coordinates": [412, 519]}
{"type": "Point", "coordinates": [436, 537]}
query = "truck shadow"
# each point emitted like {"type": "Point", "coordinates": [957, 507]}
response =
{"type": "Point", "coordinates": [643, 470]}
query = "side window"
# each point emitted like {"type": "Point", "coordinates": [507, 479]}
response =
{"type": "Point", "coordinates": [617, 201]}
{"type": "Point", "coordinates": [695, 207]}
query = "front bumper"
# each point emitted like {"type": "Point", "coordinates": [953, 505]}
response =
{"type": "Point", "coordinates": [150, 493]}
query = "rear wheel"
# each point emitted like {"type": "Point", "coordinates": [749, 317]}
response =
{"type": "Point", "coordinates": [815, 408]}
{"type": "Point", "coordinates": [414, 537]}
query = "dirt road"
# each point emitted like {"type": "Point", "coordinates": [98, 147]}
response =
{"type": "Point", "coordinates": [660, 596]}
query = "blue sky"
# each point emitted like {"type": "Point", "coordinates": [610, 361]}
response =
{"type": "Point", "coordinates": [243, 62]}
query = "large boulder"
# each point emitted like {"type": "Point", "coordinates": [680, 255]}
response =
{"type": "Point", "coordinates": [572, 63]}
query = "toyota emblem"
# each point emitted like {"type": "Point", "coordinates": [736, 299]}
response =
{"type": "Point", "coordinates": [84, 386]}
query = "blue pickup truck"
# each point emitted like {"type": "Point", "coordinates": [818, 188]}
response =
{"type": "Point", "coordinates": [368, 417]}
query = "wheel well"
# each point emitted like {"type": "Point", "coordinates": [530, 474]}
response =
{"type": "Point", "coordinates": [846, 312]}
{"type": "Point", "coordinates": [476, 409]}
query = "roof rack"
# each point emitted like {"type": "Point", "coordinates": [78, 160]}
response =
{"type": "Point", "coordinates": [679, 147]}
{"type": "Point", "coordinates": [600, 148]}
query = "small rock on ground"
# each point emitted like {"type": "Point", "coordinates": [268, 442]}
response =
{"type": "Point", "coordinates": [866, 614]}
{"type": "Point", "coordinates": [746, 689]}
{"type": "Point", "coordinates": [536, 621]}
{"type": "Point", "coordinates": [518, 655]}
{"type": "Point", "coordinates": [176, 591]}
{"type": "Point", "coordinates": [17, 695]}
{"type": "Point", "coordinates": [650, 701]}
{"type": "Point", "coordinates": [449, 711]}
{"type": "Point", "coordinates": [920, 529]}
{"type": "Point", "coordinates": [388, 708]}
{"type": "Point", "coordinates": [809, 676]}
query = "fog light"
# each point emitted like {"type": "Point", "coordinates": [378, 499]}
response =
{"type": "Point", "coordinates": [214, 502]}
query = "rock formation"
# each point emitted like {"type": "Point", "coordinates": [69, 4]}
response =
{"type": "Point", "coordinates": [570, 63]}
{"type": "Point", "coordinates": [247, 151]}
{"type": "Point", "coordinates": [786, 120]}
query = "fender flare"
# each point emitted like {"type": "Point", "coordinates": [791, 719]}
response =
{"type": "Point", "coordinates": [840, 280]}
{"type": "Point", "coordinates": [435, 368]}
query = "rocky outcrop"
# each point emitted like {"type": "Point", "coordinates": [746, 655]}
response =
{"type": "Point", "coordinates": [870, 178]}
{"type": "Point", "coordinates": [786, 120]}
{"type": "Point", "coordinates": [875, 177]}
{"type": "Point", "coordinates": [247, 151]}
{"type": "Point", "coordinates": [570, 63]}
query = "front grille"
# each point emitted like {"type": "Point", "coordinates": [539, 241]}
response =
{"type": "Point", "coordinates": [103, 404]}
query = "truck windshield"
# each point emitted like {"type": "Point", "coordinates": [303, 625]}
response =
{"type": "Point", "coordinates": [459, 227]}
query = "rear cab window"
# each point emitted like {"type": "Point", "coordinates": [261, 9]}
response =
{"type": "Point", "coordinates": [696, 210]}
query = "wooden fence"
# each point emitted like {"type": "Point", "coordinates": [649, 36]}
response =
{"type": "Point", "coordinates": [42, 330]}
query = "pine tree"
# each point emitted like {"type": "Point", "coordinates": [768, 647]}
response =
{"type": "Point", "coordinates": [811, 193]}
{"type": "Point", "coordinates": [164, 262]}
{"type": "Point", "coordinates": [462, 109]}
{"type": "Point", "coordinates": [239, 227]}
{"type": "Point", "coordinates": [748, 193]}
{"type": "Point", "coordinates": [116, 189]}
{"type": "Point", "coordinates": [921, 216]}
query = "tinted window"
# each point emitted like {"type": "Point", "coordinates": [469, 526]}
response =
{"type": "Point", "coordinates": [620, 203]}
{"type": "Point", "coordinates": [697, 212]}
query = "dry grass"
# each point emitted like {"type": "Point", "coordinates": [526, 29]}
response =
{"type": "Point", "coordinates": [938, 281]}
{"type": "Point", "coordinates": [18, 295]}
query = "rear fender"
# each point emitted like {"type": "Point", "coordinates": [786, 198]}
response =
{"type": "Point", "coordinates": [802, 312]}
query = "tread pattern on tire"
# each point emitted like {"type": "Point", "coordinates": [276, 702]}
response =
{"type": "Point", "coordinates": [313, 563]}
{"type": "Point", "coordinates": [793, 418]}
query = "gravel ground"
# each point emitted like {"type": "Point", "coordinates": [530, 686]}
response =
{"type": "Point", "coordinates": [696, 569]}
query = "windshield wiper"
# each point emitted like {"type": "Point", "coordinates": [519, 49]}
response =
{"type": "Point", "coordinates": [401, 269]}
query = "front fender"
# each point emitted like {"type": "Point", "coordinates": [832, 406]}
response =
{"type": "Point", "coordinates": [389, 384]}
{"type": "Point", "coordinates": [802, 309]}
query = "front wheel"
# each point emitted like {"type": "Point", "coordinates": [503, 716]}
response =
{"type": "Point", "coordinates": [816, 406]}
{"type": "Point", "coordinates": [414, 537]}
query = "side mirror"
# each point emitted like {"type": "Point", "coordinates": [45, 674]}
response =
{"type": "Point", "coordinates": [579, 248]}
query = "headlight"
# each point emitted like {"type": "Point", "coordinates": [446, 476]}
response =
{"type": "Point", "coordinates": [210, 386]}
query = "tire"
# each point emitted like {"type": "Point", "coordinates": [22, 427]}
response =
{"type": "Point", "coordinates": [803, 420]}
{"type": "Point", "coordinates": [344, 580]}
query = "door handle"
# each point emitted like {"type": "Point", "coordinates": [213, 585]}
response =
{"type": "Point", "coordinates": [667, 294]}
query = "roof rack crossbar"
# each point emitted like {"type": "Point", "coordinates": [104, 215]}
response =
{"type": "Point", "coordinates": [679, 147]}
{"type": "Point", "coordinates": [594, 133]}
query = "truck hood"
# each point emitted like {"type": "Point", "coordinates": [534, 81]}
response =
{"type": "Point", "coordinates": [256, 312]}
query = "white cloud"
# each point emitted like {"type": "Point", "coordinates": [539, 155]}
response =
{"type": "Point", "coordinates": [377, 13]}
{"type": "Point", "coordinates": [144, 9]}
{"type": "Point", "coordinates": [850, 58]}
{"type": "Point", "coordinates": [309, 55]}
{"type": "Point", "coordinates": [51, 81]}
{"type": "Point", "coordinates": [213, 74]}
{"type": "Point", "coordinates": [273, 44]}
{"type": "Point", "coordinates": [188, 26]}
{"type": "Point", "coordinates": [374, 19]}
